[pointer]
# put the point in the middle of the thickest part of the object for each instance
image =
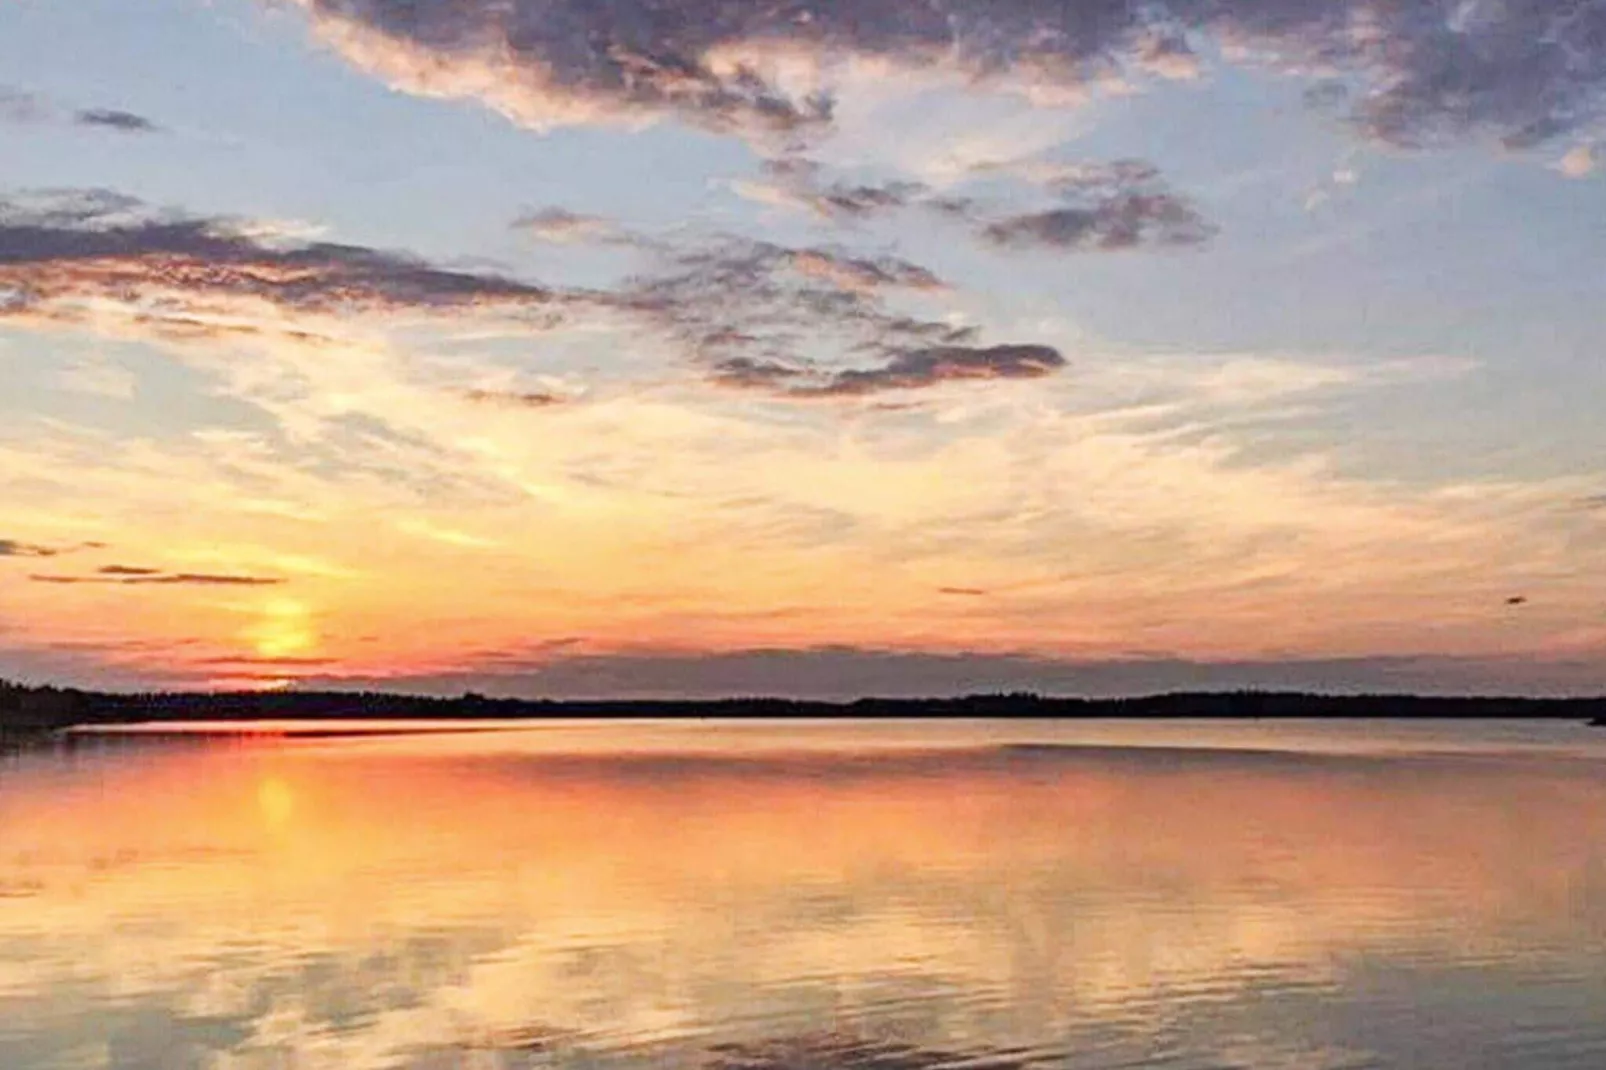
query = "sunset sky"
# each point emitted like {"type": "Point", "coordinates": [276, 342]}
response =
{"type": "Point", "coordinates": [688, 347]}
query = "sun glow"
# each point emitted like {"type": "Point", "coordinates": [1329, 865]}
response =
{"type": "Point", "coordinates": [285, 629]}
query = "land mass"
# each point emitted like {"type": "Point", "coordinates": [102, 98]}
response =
{"type": "Point", "coordinates": [26, 710]}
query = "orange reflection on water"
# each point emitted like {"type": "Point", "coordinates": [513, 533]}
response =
{"type": "Point", "coordinates": [1058, 880]}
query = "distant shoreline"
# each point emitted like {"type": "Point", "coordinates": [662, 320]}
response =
{"type": "Point", "coordinates": [29, 711]}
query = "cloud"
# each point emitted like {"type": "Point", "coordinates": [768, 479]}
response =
{"type": "Point", "coordinates": [523, 399]}
{"type": "Point", "coordinates": [563, 227]}
{"type": "Point", "coordinates": [746, 309]}
{"type": "Point", "coordinates": [13, 548]}
{"type": "Point", "coordinates": [1523, 71]}
{"type": "Point", "coordinates": [17, 106]}
{"type": "Point", "coordinates": [928, 367]}
{"type": "Point", "coordinates": [127, 570]}
{"type": "Point", "coordinates": [61, 250]}
{"type": "Point", "coordinates": [1115, 205]}
{"type": "Point", "coordinates": [743, 294]}
{"type": "Point", "coordinates": [796, 182]}
{"type": "Point", "coordinates": [18, 548]}
{"type": "Point", "coordinates": [912, 370]}
{"type": "Point", "coordinates": [115, 119]}
{"type": "Point", "coordinates": [861, 274]}
{"type": "Point", "coordinates": [1108, 206]}
{"type": "Point", "coordinates": [138, 577]}
{"type": "Point", "coordinates": [1580, 162]}
{"type": "Point", "coordinates": [1125, 221]}
{"type": "Point", "coordinates": [1073, 176]}
{"type": "Point", "coordinates": [815, 322]}
{"type": "Point", "coordinates": [235, 661]}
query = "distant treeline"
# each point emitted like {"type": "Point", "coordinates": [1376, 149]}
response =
{"type": "Point", "coordinates": [33, 709]}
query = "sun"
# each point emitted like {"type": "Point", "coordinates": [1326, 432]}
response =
{"type": "Point", "coordinates": [283, 629]}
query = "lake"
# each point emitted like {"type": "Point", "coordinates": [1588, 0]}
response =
{"type": "Point", "coordinates": [807, 896]}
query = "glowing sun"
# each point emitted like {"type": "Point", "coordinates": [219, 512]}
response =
{"type": "Point", "coordinates": [284, 629]}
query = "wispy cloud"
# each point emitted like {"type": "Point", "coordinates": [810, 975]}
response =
{"type": "Point", "coordinates": [18, 106]}
{"type": "Point", "coordinates": [1125, 221]}
{"type": "Point", "coordinates": [19, 548]}
{"type": "Point", "coordinates": [800, 183]}
{"type": "Point", "coordinates": [13, 548]}
{"type": "Point", "coordinates": [522, 399]}
{"type": "Point", "coordinates": [563, 227]}
{"type": "Point", "coordinates": [115, 119]}
{"type": "Point", "coordinates": [910, 370]}
{"type": "Point", "coordinates": [1107, 206]}
{"type": "Point", "coordinates": [141, 577]}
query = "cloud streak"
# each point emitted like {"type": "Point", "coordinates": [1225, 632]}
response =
{"type": "Point", "coordinates": [909, 371]}
{"type": "Point", "coordinates": [13, 548]}
{"type": "Point", "coordinates": [115, 119]}
{"type": "Point", "coordinates": [19, 548]}
{"type": "Point", "coordinates": [563, 227]}
{"type": "Point", "coordinates": [17, 106]}
{"type": "Point", "coordinates": [519, 399]}
{"type": "Point", "coordinates": [135, 577]}
{"type": "Point", "coordinates": [59, 251]}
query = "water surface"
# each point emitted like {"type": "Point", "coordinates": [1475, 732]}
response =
{"type": "Point", "coordinates": [869, 895]}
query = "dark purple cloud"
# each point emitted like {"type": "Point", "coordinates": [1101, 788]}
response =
{"type": "Point", "coordinates": [797, 321]}
{"type": "Point", "coordinates": [1102, 206]}
{"type": "Point", "coordinates": [919, 368]}
{"type": "Point", "coordinates": [1424, 71]}
{"type": "Point", "coordinates": [911, 370]}
{"type": "Point", "coordinates": [61, 248]}
{"type": "Point", "coordinates": [115, 119]}
{"type": "Point", "coordinates": [18, 106]}
{"type": "Point", "coordinates": [1123, 221]}
{"type": "Point", "coordinates": [816, 323]}
{"type": "Point", "coordinates": [831, 323]}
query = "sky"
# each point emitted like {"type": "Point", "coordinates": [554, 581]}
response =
{"type": "Point", "coordinates": [708, 347]}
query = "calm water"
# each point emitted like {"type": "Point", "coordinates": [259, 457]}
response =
{"type": "Point", "coordinates": [895, 897]}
